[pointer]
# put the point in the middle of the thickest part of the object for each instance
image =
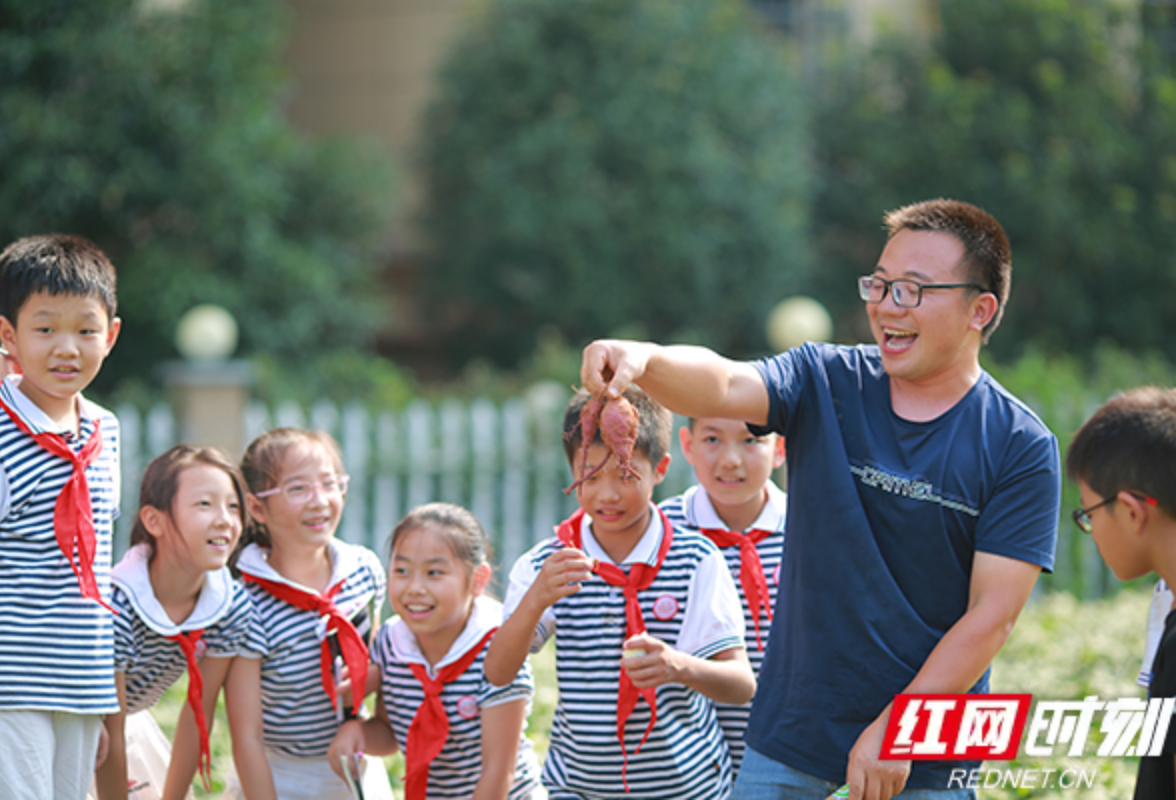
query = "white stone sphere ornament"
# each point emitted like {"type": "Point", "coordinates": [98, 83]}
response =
{"type": "Point", "coordinates": [798, 320]}
{"type": "Point", "coordinates": [206, 333]}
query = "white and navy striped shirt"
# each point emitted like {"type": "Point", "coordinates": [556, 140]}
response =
{"type": "Point", "coordinates": [693, 607]}
{"type": "Point", "coordinates": [693, 510]}
{"type": "Point", "coordinates": [56, 647]}
{"type": "Point", "coordinates": [298, 716]}
{"type": "Point", "coordinates": [455, 772]}
{"type": "Point", "coordinates": [152, 663]}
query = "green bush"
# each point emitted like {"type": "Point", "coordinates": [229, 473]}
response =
{"type": "Point", "coordinates": [157, 130]}
{"type": "Point", "coordinates": [1055, 116]}
{"type": "Point", "coordinates": [592, 164]}
{"type": "Point", "coordinates": [1064, 391]}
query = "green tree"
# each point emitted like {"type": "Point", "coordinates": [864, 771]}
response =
{"type": "Point", "coordinates": [1055, 116]}
{"type": "Point", "coordinates": [603, 166]}
{"type": "Point", "coordinates": [156, 129]}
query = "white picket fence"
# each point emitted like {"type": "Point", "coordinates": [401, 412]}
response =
{"type": "Point", "coordinates": [503, 461]}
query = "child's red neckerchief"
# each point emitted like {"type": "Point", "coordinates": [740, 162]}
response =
{"type": "Point", "coordinates": [351, 644]}
{"type": "Point", "coordinates": [430, 725]}
{"type": "Point", "coordinates": [73, 516]}
{"type": "Point", "coordinates": [640, 577]}
{"type": "Point", "coordinates": [751, 570]}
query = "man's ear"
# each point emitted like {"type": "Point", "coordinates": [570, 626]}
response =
{"type": "Point", "coordinates": [481, 579]}
{"type": "Point", "coordinates": [984, 309]}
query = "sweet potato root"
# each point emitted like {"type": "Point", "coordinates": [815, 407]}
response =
{"type": "Point", "coordinates": [618, 431]}
{"type": "Point", "coordinates": [615, 421]}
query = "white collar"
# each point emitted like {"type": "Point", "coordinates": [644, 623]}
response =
{"type": "Point", "coordinates": [700, 511]}
{"type": "Point", "coordinates": [344, 560]}
{"type": "Point", "coordinates": [485, 616]}
{"type": "Point", "coordinates": [132, 577]}
{"type": "Point", "coordinates": [644, 552]}
{"type": "Point", "coordinates": [37, 420]}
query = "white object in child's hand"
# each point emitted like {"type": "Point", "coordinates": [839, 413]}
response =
{"type": "Point", "coordinates": [633, 652]}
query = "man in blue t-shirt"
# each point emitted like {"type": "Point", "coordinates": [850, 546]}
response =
{"type": "Point", "coordinates": [923, 504]}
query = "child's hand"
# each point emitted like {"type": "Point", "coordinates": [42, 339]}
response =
{"type": "Point", "coordinates": [649, 661]}
{"type": "Point", "coordinates": [103, 746]}
{"type": "Point", "coordinates": [343, 686]}
{"type": "Point", "coordinates": [349, 739]}
{"type": "Point", "coordinates": [561, 575]}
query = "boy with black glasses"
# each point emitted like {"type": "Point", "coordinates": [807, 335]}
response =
{"type": "Point", "coordinates": [1124, 459]}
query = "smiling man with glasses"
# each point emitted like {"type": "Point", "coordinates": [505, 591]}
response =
{"type": "Point", "coordinates": [923, 503]}
{"type": "Point", "coordinates": [1124, 459]}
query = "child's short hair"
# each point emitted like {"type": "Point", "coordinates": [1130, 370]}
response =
{"type": "Point", "coordinates": [161, 481]}
{"type": "Point", "coordinates": [1130, 443]}
{"type": "Point", "coordinates": [654, 425]}
{"type": "Point", "coordinates": [56, 264]}
{"type": "Point", "coordinates": [261, 466]}
{"type": "Point", "coordinates": [460, 529]}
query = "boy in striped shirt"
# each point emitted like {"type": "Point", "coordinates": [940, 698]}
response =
{"type": "Point", "coordinates": [58, 501]}
{"type": "Point", "coordinates": [648, 629]}
{"type": "Point", "coordinates": [736, 505]}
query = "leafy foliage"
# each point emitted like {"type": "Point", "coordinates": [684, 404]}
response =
{"type": "Point", "coordinates": [1065, 390]}
{"type": "Point", "coordinates": [156, 129]}
{"type": "Point", "coordinates": [595, 164]}
{"type": "Point", "coordinates": [1056, 117]}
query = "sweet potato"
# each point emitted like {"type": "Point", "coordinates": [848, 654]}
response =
{"type": "Point", "coordinates": [615, 420]}
{"type": "Point", "coordinates": [618, 431]}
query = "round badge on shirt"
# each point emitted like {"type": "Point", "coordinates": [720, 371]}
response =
{"type": "Point", "coordinates": [665, 607]}
{"type": "Point", "coordinates": [467, 706]}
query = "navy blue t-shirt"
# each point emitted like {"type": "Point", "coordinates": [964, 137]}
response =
{"type": "Point", "coordinates": [884, 517]}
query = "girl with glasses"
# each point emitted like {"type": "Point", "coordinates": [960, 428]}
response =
{"type": "Point", "coordinates": [317, 602]}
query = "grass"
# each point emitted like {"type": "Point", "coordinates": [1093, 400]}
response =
{"type": "Point", "coordinates": [1061, 649]}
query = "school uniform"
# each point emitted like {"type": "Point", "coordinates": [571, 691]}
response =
{"type": "Point", "coordinates": [151, 661]}
{"type": "Point", "coordinates": [56, 645]}
{"type": "Point", "coordinates": [693, 510]}
{"type": "Point", "coordinates": [455, 772]}
{"type": "Point", "coordinates": [692, 605]}
{"type": "Point", "coordinates": [299, 717]}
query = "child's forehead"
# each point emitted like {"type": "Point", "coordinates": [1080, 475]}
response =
{"type": "Point", "coordinates": [44, 303]}
{"type": "Point", "coordinates": [200, 475]}
{"type": "Point", "coordinates": [721, 425]}
{"type": "Point", "coordinates": [597, 451]}
{"type": "Point", "coordinates": [307, 459]}
{"type": "Point", "coordinates": [424, 542]}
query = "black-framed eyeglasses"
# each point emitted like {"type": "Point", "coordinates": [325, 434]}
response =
{"type": "Point", "coordinates": [906, 293]}
{"type": "Point", "coordinates": [1082, 515]}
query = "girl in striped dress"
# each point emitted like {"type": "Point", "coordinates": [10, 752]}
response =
{"type": "Point", "coordinates": [180, 610]}
{"type": "Point", "coordinates": [462, 736]}
{"type": "Point", "coordinates": [317, 602]}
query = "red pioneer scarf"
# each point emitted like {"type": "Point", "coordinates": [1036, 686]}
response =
{"type": "Point", "coordinates": [430, 725]}
{"type": "Point", "coordinates": [751, 570]}
{"type": "Point", "coordinates": [73, 516]}
{"type": "Point", "coordinates": [187, 640]}
{"type": "Point", "coordinates": [640, 577]}
{"type": "Point", "coordinates": [351, 644]}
